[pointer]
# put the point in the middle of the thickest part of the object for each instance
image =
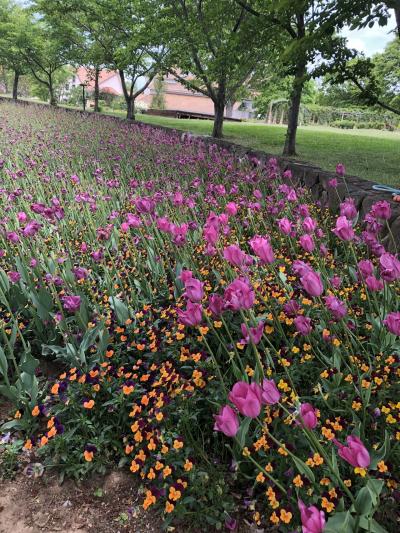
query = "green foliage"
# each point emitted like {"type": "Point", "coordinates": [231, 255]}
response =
{"type": "Point", "coordinates": [9, 458]}
{"type": "Point", "coordinates": [158, 100]}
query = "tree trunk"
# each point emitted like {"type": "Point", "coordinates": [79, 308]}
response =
{"type": "Point", "coordinates": [397, 15]}
{"type": "Point", "coordinates": [294, 109]}
{"type": "Point", "coordinates": [96, 90]}
{"type": "Point", "coordinates": [53, 100]}
{"type": "Point", "coordinates": [218, 119]}
{"type": "Point", "coordinates": [130, 109]}
{"type": "Point", "coordinates": [129, 97]}
{"type": "Point", "coordinates": [15, 85]}
{"type": "Point", "coordinates": [282, 115]}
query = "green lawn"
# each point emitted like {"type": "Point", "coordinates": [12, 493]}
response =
{"type": "Point", "coordinates": [370, 154]}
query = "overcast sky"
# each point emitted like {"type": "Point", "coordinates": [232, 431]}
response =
{"type": "Point", "coordinates": [371, 40]}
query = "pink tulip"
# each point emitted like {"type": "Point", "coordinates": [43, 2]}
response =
{"type": "Point", "coordinates": [194, 290]}
{"type": "Point", "coordinates": [133, 220]}
{"type": "Point", "coordinates": [308, 416]}
{"type": "Point", "coordinates": [366, 267]}
{"type": "Point", "coordinates": [336, 307]}
{"type": "Point", "coordinates": [381, 209]}
{"type": "Point", "coordinates": [340, 169]}
{"type": "Point", "coordinates": [285, 225]}
{"type": "Point", "coordinates": [163, 224]}
{"type": "Point", "coordinates": [192, 316]}
{"type": "Point", "coordinates": [303, 325]}
{"type": "Point", "coordinates": [373, 284]}
{"type": "Point", "coordinates": [307, 243]}
{"type": "Point", "coordinates": [263, 249]}
{"type": "Point", "coordinates": [252, 334]}
{"type": "Point", "coordinates": [14, 277]}
{"type": "Point", "coordinates": [291, 308]}
{"type": "Point", "coordinates": [210, 234]}
{"type": "Point", "coordinates": [300, 268]}
{"type": "Point", "coordinates": [344, 229]}
{"type": "Point", "coordinates": [311, 283]}
{"type": "Point", "coordinates": [335, 281]}
{"type": "Point", "coordinates": [354, 453]}
{"type": "Point", "coordinates": [185, 275]}
{"type": "Point", "coordinates": [312, 520]}
{"type": "Point", "coordinates": [72, 303]}
{"type": "Point", "coordinates": [246, 399]}
{"type": "Point", "coordinates": [231, 208]}
{"type": "Point", "coordinates": [12, 236]}
{"type": "Point", "coordinates": [309, 225]}
{"type": "Point", "coordinates": [31, 228]}
{"type": "Point", "coordinates": [392, 322]}
{"type": "Point", "coordinates": [304, 211]}
{"type": "Point", "coordinates": [389, 267]}
{"type": "Point", "coordinates": [239, 295]}
{"type": "Point", "coordinates": [348, 209]}
{"type": "Point", "coordinates": [236, 256]}
{"type": "Point", "coordinates": [270, 393]}
{"type": "Point", "coordinates": [226, 421]}
{"type": "Point", "coordinates": [216, 304]}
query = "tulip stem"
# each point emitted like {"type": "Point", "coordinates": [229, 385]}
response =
{"type": "Point", "coordinates": [217, 368]}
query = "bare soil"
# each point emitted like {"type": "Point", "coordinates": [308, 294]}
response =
{"type": "Point", "coordinates": [104, 505]}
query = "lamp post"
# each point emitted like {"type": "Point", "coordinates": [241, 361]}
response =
{"type": "Point", "coordinates": [83, 85]}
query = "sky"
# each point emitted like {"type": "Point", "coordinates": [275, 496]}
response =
{"type": "Point", "coordinates": [370, 40]}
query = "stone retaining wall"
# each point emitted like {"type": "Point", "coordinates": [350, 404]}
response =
{"type": "Point", "coordinates": [308, 175]}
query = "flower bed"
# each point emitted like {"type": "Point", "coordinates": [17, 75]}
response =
{"type": "Point", "coordinates": [217, 331]}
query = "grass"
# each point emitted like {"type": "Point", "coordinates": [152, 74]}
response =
{"type": "Point", "coordinates": [370, 154]}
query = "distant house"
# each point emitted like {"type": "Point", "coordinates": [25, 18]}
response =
{"type": "Point", "coordinates": [109, 82]}
{"type": "Point", "coordinates": [177, 97]}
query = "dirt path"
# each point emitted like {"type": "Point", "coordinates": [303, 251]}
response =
{"type": "Point", "coordinates": [104, 505]}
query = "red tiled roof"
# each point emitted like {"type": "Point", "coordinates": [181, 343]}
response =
{"type": "Point", "coordinates": [86, 76]}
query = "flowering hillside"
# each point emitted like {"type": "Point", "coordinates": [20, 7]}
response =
{"type": "Point", "coordinates": [215, 330]}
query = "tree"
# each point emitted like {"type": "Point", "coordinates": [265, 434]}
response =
{"type": "Point", "coordinates": [308, 36]}
{"type": "Point", "coordinates": [213, 47]}
{"type": "Point", "coordinates": [377, 79]}
{"type": "Point", "coordinates": [13, 21]}
{"type": "Point", "coordinates": [386, 70]}
{"type": "Point", "coordinates": [362, 13]}
{"type": "Point", "coordinates": [43, 50]}
{"type": "Point", "coordinates": [118, 27]}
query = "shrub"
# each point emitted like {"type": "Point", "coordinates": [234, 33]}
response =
{"type": "Point", "coordinates": [344, 124]}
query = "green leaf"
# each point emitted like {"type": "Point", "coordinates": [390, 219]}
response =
{"type": "Point", "coordinates": [3, 364]}
{"type": "Point", "coordinates": [381, 453]}
{"type": "Point", "coordinates": [371, 525]}
{"type": "Point", "coordinates": [340, 522]}
{"type": "Point", "coordinates": [363, 503]}
{"type": "Point", "coordinates": [12, 424]}
{"type": "Point", "coordinates": [375, 487]}
{"type": "Point", "coordinates": [303, 468]}
{"type": "Point", "coordinates": [9, 392]}
{"type": "Point", "coordinates": [120, 309]}
{"type": "Point", "coordinates": [243, 430]}
{"type": "Point", "coordinates": [29, 363]}
{"type": "Point", "coordinates": [4, 282]}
